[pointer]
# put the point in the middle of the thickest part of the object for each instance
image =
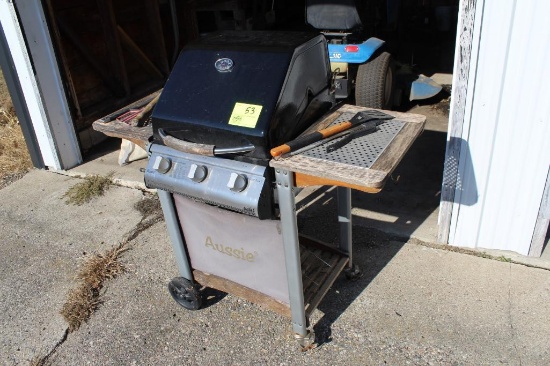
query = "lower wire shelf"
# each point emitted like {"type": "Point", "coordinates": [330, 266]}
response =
{"type": "Point", "coordinates": [321, 264]}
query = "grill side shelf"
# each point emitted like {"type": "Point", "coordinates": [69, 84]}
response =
{"type": "Point", "coordinates": [365, 163]}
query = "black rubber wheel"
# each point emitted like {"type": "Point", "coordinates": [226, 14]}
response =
{"type": "Point", "coordinates": [185, 293]}
{"type": "Point", "coordinates": [353, 273]}
{"type": "Point", "coordinates": [374, 82]}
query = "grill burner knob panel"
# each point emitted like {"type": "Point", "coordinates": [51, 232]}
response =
{"type": "Point", "coordinates": [234, 185]}
{"type": "Point", "coordinates": [198, 173]}
{"type": "Point", "coordinates": [162, 164]}
{"type": "Point", "coordinates": [237, 182]}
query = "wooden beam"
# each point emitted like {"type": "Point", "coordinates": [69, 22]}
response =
{"type": "Point", "coordinates": [66, 70]}
{"type": "Point", "coordinates": [112, 41]}
{"type": "Point", "coordinates": [305, 180]}
{"type": "Point", "coordinates": [225, 285]}
{"type": "Point", "coordinates": [89, 57]}
{"type": "Point", "coordinates": [155, 26]}
{"type": "Point", "coordinates": [130, 46]}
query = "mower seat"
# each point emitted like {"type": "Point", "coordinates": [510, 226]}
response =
{"type": "Point", "coordinates": [339, 15]}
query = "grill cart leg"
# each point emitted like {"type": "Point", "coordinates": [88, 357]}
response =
{"type": "Point", "coordinates": [183, 289]}
{"type": "Point", "coordinates": [172, 224]}
{"type": "Point", "coordinates": [287, 205]}
{"type": "Point", "coordinates": [344, 219]}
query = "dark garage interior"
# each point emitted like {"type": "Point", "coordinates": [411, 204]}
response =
{"type": "Point", "coordinates": [113, 53]}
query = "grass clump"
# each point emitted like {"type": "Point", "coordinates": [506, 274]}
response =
{"type": "Point", "coordinates": [84, 300]}
{"type": "Point", "coordinates": [92, 186]}
{"type": "Point", "coordinates": [81, 303]}
{"type": "Point", "coordinates": [100, 267]}
{"type": "Point", "coordinates": [15, 159]}
{"type": "Point", "coordinates": [14, 156]}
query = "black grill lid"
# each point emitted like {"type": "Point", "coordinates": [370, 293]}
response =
{"type": "Point", "coordinates": [237, 88]}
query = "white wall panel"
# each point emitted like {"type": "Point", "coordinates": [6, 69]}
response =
{"type": "Point", "coordinates": [509, 129]}
{"type": "Point", "coordinates": [26, 76]}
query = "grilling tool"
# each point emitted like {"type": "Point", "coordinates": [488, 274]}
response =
{"type": "Point", "coordinates": [358, 119]}
{"type": "Point", "coordinates": [361, 130]}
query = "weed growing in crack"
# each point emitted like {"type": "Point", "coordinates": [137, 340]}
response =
{"type": "Point", "coordinates": [92, 186]}
{"type": "Point", "coordinates": [101, 267]}
{"type": "Point", "coordinates": [84, 300]}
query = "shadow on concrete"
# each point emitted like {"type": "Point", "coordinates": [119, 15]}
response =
{"type": "Point", "coordinates": [409, 200]}
{"type": "Point", "coordinates": [410, 197]}
{"type": "Point", "coordinates": [106, 147]}
{"type": "Point", "coordinates": [211, 297]}
{"type": "Point", "coordinates": [372, 251]}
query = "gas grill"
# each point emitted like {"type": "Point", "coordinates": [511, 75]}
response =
{"type": "Point", "coordinates": [230, 210]}
{"type": "Point", "coordinates": [230, 98]}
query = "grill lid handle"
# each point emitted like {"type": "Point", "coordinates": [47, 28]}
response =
{"type": "Point", "coordinates": [185, 146]}
{"type": "Point", "coordinates": [201, 149]}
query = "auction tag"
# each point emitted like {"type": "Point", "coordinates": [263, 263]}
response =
{"type": "Point", "coordinates": [245, 115]}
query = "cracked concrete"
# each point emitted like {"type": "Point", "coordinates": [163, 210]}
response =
{"type": "Point", "coordinates": [43, 241]}
{"type": "Point", "coordinates": [414, 304]}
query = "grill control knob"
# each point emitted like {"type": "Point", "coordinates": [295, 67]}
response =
{"type": "Point", "coordinates": [197, 173]}
{"type": "Point", "coordinates": [237, 182]}
{"type": "Point", "coordinates": [162, 164]}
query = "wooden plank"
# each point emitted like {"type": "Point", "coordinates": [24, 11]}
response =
{"type": "Point", "coordinates": [341, 173]}
{"type": "Point", "coordinates": [318, 276]}
{"type": "Point", "coordinates": [130, 46]}
{"type": "Point", "coordinates": [112, 41]}
{"type": "Point", "coordinates": [138, 135]}
{"type": "Point", "coordinates": [241, 291]}
{"type": "Point", "coordinates": [155, 26]}
{"type": "Point", "coordinates": [305, 180]}
{"type": "Point", "coordinates": [338, 268]}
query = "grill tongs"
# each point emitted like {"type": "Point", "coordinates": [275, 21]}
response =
{"type": "Point", "coordinates": [201, 149]}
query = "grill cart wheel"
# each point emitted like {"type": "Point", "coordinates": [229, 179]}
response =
{"type": "Point", "coordinates": [185, 293]}
{"type": "Point", "coordinates": [353, 273]}
{"type": "Point", "coordinates": [374, 83]}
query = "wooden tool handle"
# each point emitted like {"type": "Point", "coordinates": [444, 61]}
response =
{"type": "Point", "coordinates": [311, 138]}
{"type": "Point", "coordinates": [186, 146]}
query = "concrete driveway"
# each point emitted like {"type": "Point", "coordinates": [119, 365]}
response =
{"type": "Point", "coordinates": [414, 305]}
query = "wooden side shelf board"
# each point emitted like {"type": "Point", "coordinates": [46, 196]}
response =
{"type": "Point", "coordinates": [315, 171]}
{"type": "Point", "coordinates": [113, 128]}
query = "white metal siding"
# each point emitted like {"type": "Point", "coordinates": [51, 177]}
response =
{"type": "Point", "coordinates": [48, 75]}
{"type": "Point", "coordinates": [507, 153]}
{"type": "Point", "coordinates": [41, 82]}
{"type": "Point", "coordinates": [25, 73]}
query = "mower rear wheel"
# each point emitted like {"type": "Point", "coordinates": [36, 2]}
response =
{"type": "Point", "coordinates": [185, 293]}
{"type": "Point", "coordinates": [374, 83]}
